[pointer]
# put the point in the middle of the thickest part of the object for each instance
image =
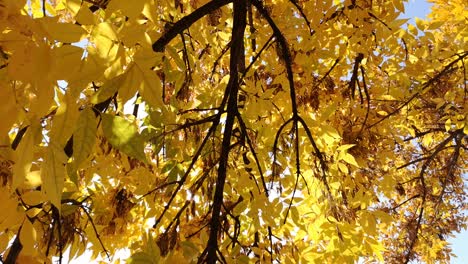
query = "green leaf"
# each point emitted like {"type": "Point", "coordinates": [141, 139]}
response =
{"type": "Point", "coordinates": [124, 136]}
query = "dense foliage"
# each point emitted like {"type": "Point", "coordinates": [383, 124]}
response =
{"type": "Point", "coordinates": [243, 131]}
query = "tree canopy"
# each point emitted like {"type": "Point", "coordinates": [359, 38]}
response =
{"type": "Point", "coordinates": [237, 131]}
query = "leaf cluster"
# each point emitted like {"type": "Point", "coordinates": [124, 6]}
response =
{"type": "Point", "coordinates": [231, 131]}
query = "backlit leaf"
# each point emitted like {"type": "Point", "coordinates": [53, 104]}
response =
{"type": "Point", "coordinates": [53, 175]}
{"type": "Point", "coordinates": [28, 237]}
{"type": "Point", "coordinates": [350, 159]}
{"type": "Point", "coordinates": [64, 120]}
{"type": "Point", "coordinates": [123, 135]}
{"type": "Point", "coordinates": [63, 32]}
{"type": "Point", "coordinates": [25, 153]}
{"type": "Point", "coordinates": [84, 136]}
{"type": "Point", "coordinates": [321, 132]}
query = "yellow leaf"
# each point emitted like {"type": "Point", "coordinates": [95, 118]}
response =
{"type": "Point", "coordinates": [28, 259]}
{"type": "Point", "coordinates": [131, 82]}
{"type": "Point", "coordinates": [33, 212]}
{"type": "Point", "coordinates": [413, 59]}
{"type": "Point", "coordinates": [420, 24]}
{"type": "Point", "coordinates": [329, 135]}
{"type": "Point", "coordinates": [350, 159]}
{"type": "Point", "coordinates": [130, 9]}
{"type": "Point", "coordinates": [33, 198]}
{"type": "Point", "coordinates": [12, 217]}
{"type": "Point", "coordinates": [105, 42]}
{"type": "Point", "coordinates": [436, 24]}
{"type": "Point", "coordinates": [343, 168]}
{"type": "Point", "coordinates": [175, 56]}
{"type": "Point", "coordinates": [33, 180]}
{"type": "Point", "coordinates": [413, 29]}
{"type": "Point", "coordinates": [66, 57]}
{"type": "Point", "coordinates": [63, 32]}
{"type": "Point", "coordinates": [73, 6]}
{"type": "Point", "coordinates": [53, 174]}
{"type": "Point", "coordinates": [25, 153]}
{"type": "Point", "coordinates": [134, 34]}
{"type": "Point", "coordinates": [9, 216]}
{"type": "Point", "coordinates": [104, 30]}
{"type": "Point", "coordinates": [368, 223]}
{"type": "Point", "coordinates": [150, 86]}
{"type": "Point", "coordinates": [43, 102]}
{"type": "Point", "coordinates": [64, 120]}
{"type": "Point", "coordinates": [448, 125]}
{"type": "Point", "coordinates": [397, 23]}
{"type": "Point", "coordinates": [149, 11]}
{"type": "Point", "coordinates": [108, 89]}
{"type": "Point", "coordinates": [23, 64]}
{"type": "Point", "coordinates": [378, 248]}
{"type": "Point", "coordinates": [141, 258]}
{"type": "Point", "coordinates": [8, 109]}
{"type": "Point", "coordinates": [28, 237]}
{"type": "Point", "coordinates": [399, 5]}
{"type": "Point", "coordinates": [382, 113]}
{"type": "Point", "coordinates": [329, 111]}
{"type": "Point", "coordinates": [85, 16]}
{"type": "Point", "coordinates": [84, 136]}
{"type": "Point", "coordinates": [345, 147]}
{"type": "Point", "coordinates": [36, 8]}
{"type": "Point", "coordinates": [4, 241]}
{"type": "Point", "coordinates": [146, 58]}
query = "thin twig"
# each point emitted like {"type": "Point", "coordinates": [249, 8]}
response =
{"type": "Point", "coordinates": [96, 232]}
{"type": "Point", "coordinates": [184, 23]}
{"type": "Point", "coordinates": [252, 150]}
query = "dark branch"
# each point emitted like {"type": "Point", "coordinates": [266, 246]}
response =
{"type": "Point", "coordinates": [15, 250]}
{"type": "Point", "coordinates": [422, 180]}
{"type": "Point", "coordinates": [95, 231]}
{"type": "Point", "coordinates": [236, 62]}
{"type": "Point", "coordinates": [252, 150]}
{"type": "Point", "coordinates": [189, 169]}
{"type": "Point", "coordinates": [186, 22]}
{"type": "Point", "coordinates": [446, 70]}
{"type": "Point", "coordinates": [354, 76]}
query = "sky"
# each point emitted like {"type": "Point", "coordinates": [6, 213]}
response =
{"type": "Point", "coordinates": [420, 8]}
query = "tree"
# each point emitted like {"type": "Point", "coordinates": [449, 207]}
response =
{"type": "Point", "coordinates": [258, 131]}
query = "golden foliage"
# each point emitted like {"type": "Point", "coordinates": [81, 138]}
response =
{"type": "Point", "coordinates": [232, 131]}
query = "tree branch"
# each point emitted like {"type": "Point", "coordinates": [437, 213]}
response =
{"type": "Point", "coordinates": [422, 180]}
{"type": "Point", "coordinates": [186, 22]}
{"type": "Point", "coordinates": [232, 89]}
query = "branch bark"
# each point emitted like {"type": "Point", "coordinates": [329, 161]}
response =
{"type": "Point", "coordinates": [236, 63]}
{"type": "Point", "coordinates": [15, 250]}
{"type": "Point", "coordinates": [186, 22]}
